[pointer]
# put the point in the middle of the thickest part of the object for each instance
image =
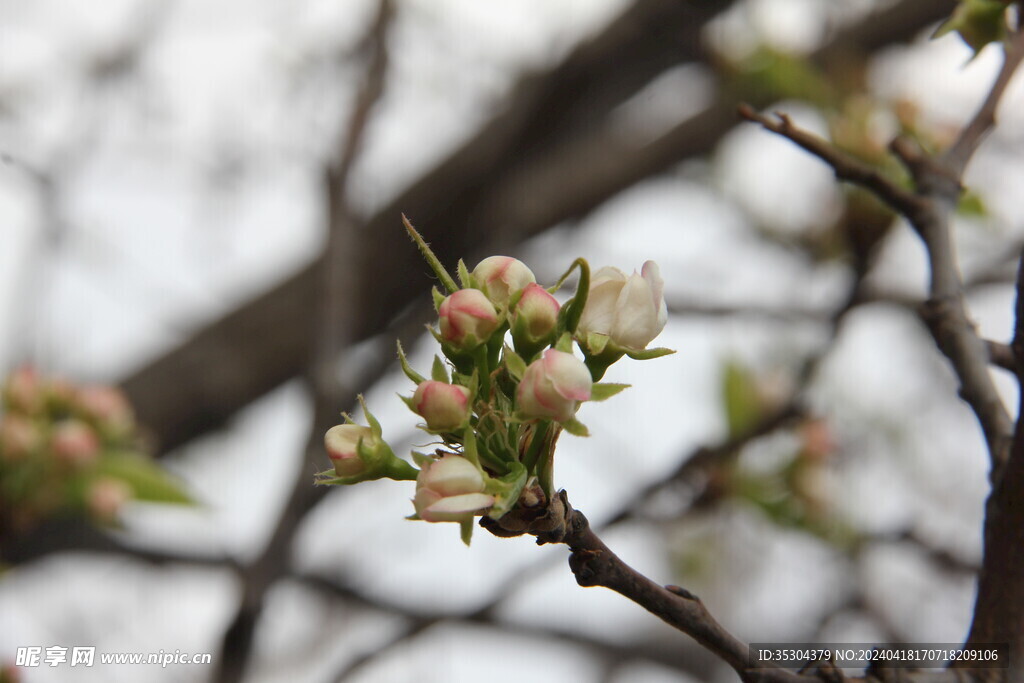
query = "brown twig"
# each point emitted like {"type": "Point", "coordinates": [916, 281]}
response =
{"type": "Point", "coordinates": [945, 312]}
{"type": "Point", "coordinates": [977, 129]}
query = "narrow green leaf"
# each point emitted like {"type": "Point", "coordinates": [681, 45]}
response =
{"type": "Point", "coordinates": [740, 398]}
{"type": "Point", "coordinates": [648, 354]}
{"type": "Point", "coordinates": [430, 257]}
{"type": "Point", "coordinates": [466, 531]}
{"type": "Point", "coordinates": [148, 481]}
{"type": "Point", "coordinates": [605, 390]}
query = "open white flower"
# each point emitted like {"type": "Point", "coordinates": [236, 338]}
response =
{"type": "Point", "coordinates": [630, 311]}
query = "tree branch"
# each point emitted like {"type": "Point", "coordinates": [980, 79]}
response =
{"type": "Point", "coordinates": [956, 157]}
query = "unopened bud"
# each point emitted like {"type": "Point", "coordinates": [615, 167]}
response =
{"type": "Point", "coordinates": [444, 406]}
{"type": "Point", "coordinates": [501, 277]}
{"type": "Point", "coordinates": [467, 319]}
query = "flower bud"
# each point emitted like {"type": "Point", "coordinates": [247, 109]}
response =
{"type": "Point", "coordinates": [450, 490]}
{"type": "Point", "coordinates": [553, 387]}
{"type": "Point", "coordinates": [107, 405]}
{"type": "Point", "coordinates": [106, 497]}
{"type": "Point", "coordinates": [342, 443]}
{"type": "Point", "coordinates": [534, 319]}
{"type": "Point", "coordinates": [501, 277]}
{"type": "Point", "coordinates": [630, 311]}
{"type": "Point", "coordinates": [444, 406]}
{"type": "Point", "coordinates": [24, 390]}
{"type": "Point", "coordinates": [75, 443]}
{"type": "Point", "coordinates": [467, 319]}
{"type": "Point", "coordinates": [19, 436]}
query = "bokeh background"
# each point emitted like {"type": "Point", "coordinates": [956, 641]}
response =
{"type": "Point", "coordinates": [200, 202]}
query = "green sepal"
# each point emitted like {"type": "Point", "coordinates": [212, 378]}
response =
{"type": "Point", "coordinates": [575, 427]}
{"type": "Point", "coordinates": [407, 369]}
{"type": "Point", "coordinates": [648, 354]}
{"type": "Point", "coordinates": [506, 490]}
{"type": "Point", "coordinates": [438, 298]}
{"type": "Point", "coordinates": [515, 363]}
{"type": "Point", "coordinates": [538, 435]}
{"type": "Point", "coordinates": [422, 459]}
{"type": "Point", "coordinates": [148, 481]}
{"type": "Point", "coordinates": [605, 390]}
{"type": "Point", "coordinates": [469, 449]}
{"type": "Point", "coordinates": [564, 343]}
{"type": "Point", "coordinates": [579, 301]}
{"type": "Point", "coordinates": [407, 400]}
{"type": "Point", "coordinates": [464, 277]}
{"type": "Point", "coordinates": [439, 372]}
{"type": "Point", "coordinates": [466, 530]}
{"type": "Point", "coordinates": [370, 419]}
{"type": "Point", "coordinates": [430, 257]}
{"type": "Point", "coordinates": [596, 343]}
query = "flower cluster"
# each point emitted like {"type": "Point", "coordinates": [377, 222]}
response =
{"type": "Point", "coordinates": [67, 449]}
{"type": "Point", "coordinates": [507, 383]}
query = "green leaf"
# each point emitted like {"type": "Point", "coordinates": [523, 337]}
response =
{"type": "Point", "coordinates": [740, 398]}
{"type": "Point", "coordinates": [407, 369]}
{"type": "Point", "coordinates": [515, 363]}
{"type": "Point", "coordinates": [575, 427]}
{"type": "Point", "coordinates": [430, 257]}
{"type": "Point", "coordinates": [605, 390]}
{"type": "Point", "coordinates": [971, 205]}
{"type": "Point", "coordinates": [148, 481]}
{"type": "Point", "coordinates": [439, 371]}
{"type": "Point", "coordinates": [978, 22]}
{"type": "Point", "coordinates": [648, 354]}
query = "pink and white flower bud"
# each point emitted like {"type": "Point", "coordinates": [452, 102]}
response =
{"type": "Point", "coordinates": [108, 405]}
{"type": "Point", "coordinates": [535, 315]}
{"type": "Point", "coordinates": [106, 497]}
{"type": "Point", "coordinates": [501, 277]}
{"type": "Point", "coordinates": [444, 406]}
{"type": "Point", "coordinates": [24, 390]}
{"type": "Point", "coordinates": [467, 318]}
{"type": "Point", "coordinates": [450, 490]}
{"type": "Point", "coordinates": [19, 436]}
{"type": "Point", "coordinates": [630, 311]}
{"type": "Point", "coordinates": [75, 443]}
{"type": "Point", "coordinates": [342, 443]}
{"type": "Point", "coordinates": [553, 387]}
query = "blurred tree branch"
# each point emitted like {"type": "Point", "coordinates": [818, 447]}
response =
{"type": "Point", "coordinates": [999, 610]}
{"type": "Point", "coordinates": [500, 178]}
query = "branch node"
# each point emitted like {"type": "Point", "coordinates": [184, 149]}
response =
{"type": "Point", "coordinates": [682, 592]}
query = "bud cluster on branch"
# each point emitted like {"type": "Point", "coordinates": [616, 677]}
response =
{"type": "Point", "coordinates": [507, 383]}
{"type": "Point", "coordinates": [69, 449]}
